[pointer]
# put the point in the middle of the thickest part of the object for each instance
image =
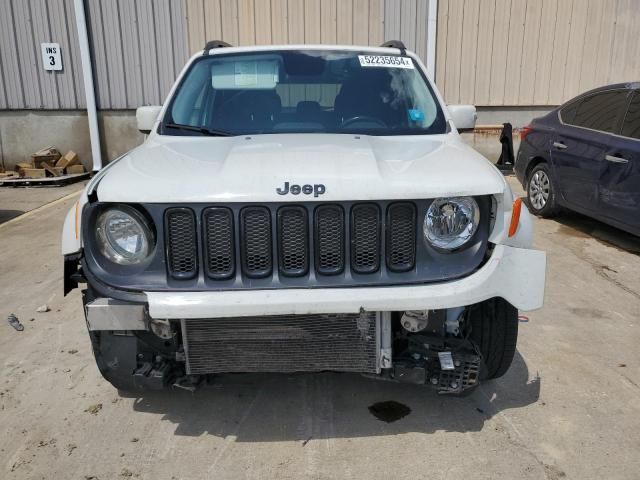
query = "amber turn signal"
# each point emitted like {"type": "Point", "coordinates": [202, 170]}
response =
{"type": "Point", "coordinates": [515, 217]}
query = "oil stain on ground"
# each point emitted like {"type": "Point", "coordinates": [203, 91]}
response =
{"type": "Point", "coordinates": [389, 411]}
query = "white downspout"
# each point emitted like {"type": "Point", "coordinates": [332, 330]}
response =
{"type": "Point", "coordinates": [89, 92]}
{"type": "Point", "coordinates": [432, 25]}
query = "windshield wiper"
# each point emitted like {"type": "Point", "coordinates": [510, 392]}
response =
{"type": "Point", "coordinates": [203, 130]}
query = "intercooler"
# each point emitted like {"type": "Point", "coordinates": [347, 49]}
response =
{"type": "Point", "coordinates": [283, 343]}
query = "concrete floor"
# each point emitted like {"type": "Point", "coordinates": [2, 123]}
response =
{"type": "Point", "coordinates": [569, 407]}
{"type": "Point", "coordinates": [15, 201]}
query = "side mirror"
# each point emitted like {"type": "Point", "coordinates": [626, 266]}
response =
{"type": "Point", "coordinates": [463, 116]}
{"type": "Point", "coordinates": [146, 118]}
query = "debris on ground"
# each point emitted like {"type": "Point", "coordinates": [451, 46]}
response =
{"type": "Point", "coordinates": [523, 319]}
{"type": "Point", "coordinates": [46, 443]}
{"type": "Point", "coordinates": [70, 448]}
{"type": "Point", "coordinates": [43, 308]}
{"type": "Point", "coordinates": [73, 351]}
{"type": "Point", "coordinates": [48, 162]}
{"type": "Point", "coordinates": [135, 440]}
{"type": "Point", "coordinates": [622, 365]}
{"type": "Point", "coordinates": [126, 473]}
{"type": "Point", "coordinates": [49, 156]}
{"type": "Point", "coordinates": [94, 409]}
{"type": "Point", "coordinates": [15, 323]}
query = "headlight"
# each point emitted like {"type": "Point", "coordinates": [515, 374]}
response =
{"type": "Point", "coordinates": [124, 236]}
{"type": "Point", "coordinates": [451, 222]}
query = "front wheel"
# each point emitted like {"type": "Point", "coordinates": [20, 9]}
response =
{"type": "Point", "coordinates": [494, 329]}
{"type": "Point", "coordinates": [541, 192]}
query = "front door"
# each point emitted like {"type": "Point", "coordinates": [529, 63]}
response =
{"type": "Point", "coordinates": [580, 144]}
{"type": "Point", "coordinates": [620, 176]}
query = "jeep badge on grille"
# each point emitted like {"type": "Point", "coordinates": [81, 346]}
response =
{"type": "Point", "coordinates": [317, 189]}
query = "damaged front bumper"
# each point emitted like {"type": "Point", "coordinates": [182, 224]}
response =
{"type": "Point", "coordinates": [515, 274]}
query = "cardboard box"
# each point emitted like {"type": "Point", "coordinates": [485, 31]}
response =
{"type": "Point", "coordinates": [70, 158]}
{"type": "Point", "coordinates": [49, 155]}
{"type": "Point", "coordinates": [73, 169]}
{"type": "Point", "coordinates": [33, 173]}
{"type": "Point", "coordinates": [53, 171]}
{"type": "Point", "coordinates": [21, 165]}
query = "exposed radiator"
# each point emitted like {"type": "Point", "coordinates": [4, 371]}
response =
{"type": "Point", "coordinates": [283, 343]}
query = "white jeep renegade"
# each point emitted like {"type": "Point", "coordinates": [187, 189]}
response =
{"type": "Point", "coordinates": [302, 208]}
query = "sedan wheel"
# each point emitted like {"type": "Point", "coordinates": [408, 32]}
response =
{"type": "Point", "coordinates": [539, 188]}
{"type": "Point", "coordinates": [540, 191]}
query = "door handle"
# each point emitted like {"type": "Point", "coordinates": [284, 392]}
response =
{"type": "Point", "coordinates": [559, 146]}
{"type": "Point", "coordinates": [615, 159]}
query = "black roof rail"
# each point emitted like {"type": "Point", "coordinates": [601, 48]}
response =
{"type": "Point", "coordinates": [211, 44]}
{"type": "Point", "coordinates": [395, 44]}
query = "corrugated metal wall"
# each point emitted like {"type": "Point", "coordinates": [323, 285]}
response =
{"type": "Point", "coordinates": [356, 22]}
{"type": "Point", "coordinates": [139, 49]}
{"type": "Point", "coordinates": [140, 46]}
{"type": "Point", "coordinates": [490, 52]}
{"type": "Point", "coordinates": [534, 52]}
{"type": "Point", "coordinates": [24, 24]}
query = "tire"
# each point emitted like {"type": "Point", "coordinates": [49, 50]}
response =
{"type": "Point", "coordinates": [541, 191]}
{"type": "Point", "coordinates": [494, 329]}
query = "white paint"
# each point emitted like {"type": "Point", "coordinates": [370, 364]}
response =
{"type": "Point", "coordinates": [432, 38]}
{"type": "Point", "coordinates": [146, 117]}
{"type": "Point", "coordinates": [463, 116]}
{"type": "Point", "coordinates": [515, 274]}
{"type": "Point", "coordinates": [89, 92]}
{"type": "Point", "coordinates": [51, 56]}
{"type": "Point", "coordinates": [250, 168]}
{"type": "Point", "coordinates": [184, 169]}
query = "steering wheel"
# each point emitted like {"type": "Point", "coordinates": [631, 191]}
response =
{"type": "Point", "coordinates": [363, 118]}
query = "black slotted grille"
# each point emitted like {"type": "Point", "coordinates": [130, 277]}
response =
{"type": "Point", "coordinates": [182, 246]}
{"type": "Point", "coordinates": [293, 241]}
{"type": "Point", "coordinates": [401, 236]}
{"type": "Point", "coordinates": [329, 224]}
{"type": "Point", "coordinates": [365, 238]}
{"type": "Point", "coordinates": [244, 242]}
{"type": "Point", "coordinates": [257, 255]}
{"type": "Point", "coordinates": [219, 243]}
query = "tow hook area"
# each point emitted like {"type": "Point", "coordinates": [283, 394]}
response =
{"type": "Point", "coordinates": [450, 365]}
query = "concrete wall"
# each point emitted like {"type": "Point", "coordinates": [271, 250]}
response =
{"type": "Point", "coordinates": [516, 116]}
{"type": "Point", "coordinates": [23, 132]}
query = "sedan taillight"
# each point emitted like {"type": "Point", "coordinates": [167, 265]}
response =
{"type": "Point", "coordinates": [524, 131]}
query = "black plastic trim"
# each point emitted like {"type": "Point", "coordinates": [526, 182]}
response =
{"type": "Point", "coordinates": [288, 272]}
{"type": "Point", "coordinates": [205, 241]}
{"type": "Point", "coordinates": [388, 251]}
{"type": "Point", "coordinates": [169, 251]}
{"type": "Point", "coordinates": [255, 273]}
{"type": "Point", "coordinates": [431, 266]}
{"type": "Point", "coordinates": [376, 266]}
{"type": "Point", "coordinates": [316, 215]}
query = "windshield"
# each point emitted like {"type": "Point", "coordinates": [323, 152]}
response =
{"type": "Point", "coordinates": [303, 92]}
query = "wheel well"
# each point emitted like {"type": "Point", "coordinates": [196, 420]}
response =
{"type": "Point", "coordinates": [532, 164]}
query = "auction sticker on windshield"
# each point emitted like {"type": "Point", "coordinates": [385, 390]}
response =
{"type": "Point", "coordinates": [385, 61]}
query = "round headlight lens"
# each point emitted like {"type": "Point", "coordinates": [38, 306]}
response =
{"type": "Point", "coordinates": [124, 236]}
{"type": "Point", "coordinates": [451, 222]}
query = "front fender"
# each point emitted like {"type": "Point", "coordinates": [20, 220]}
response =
{"type": "Point", "coordinates": [71, 239]}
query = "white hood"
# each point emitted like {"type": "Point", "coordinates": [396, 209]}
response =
{"type": "Point", "coordinates": [184, 169]}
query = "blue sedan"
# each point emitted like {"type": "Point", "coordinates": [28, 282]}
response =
{"type": "Point", "coordinates": [585, 156]}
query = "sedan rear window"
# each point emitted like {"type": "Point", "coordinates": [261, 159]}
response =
{"type": "Point", "coordinates": [631, 125]}
{"type": "Point", "coordinates": [599, 111]}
